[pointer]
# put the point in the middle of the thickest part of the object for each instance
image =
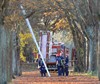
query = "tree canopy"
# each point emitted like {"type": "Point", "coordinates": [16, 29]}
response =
{"type": "Point", "coordinates": [80, 17]}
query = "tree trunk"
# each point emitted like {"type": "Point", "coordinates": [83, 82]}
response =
{"type": "Point", "coordinates": [9, 54]}
{"type": "Point", "coordinates": [90, 54]}
{"type": "Point", "coordinates": [14, 58]}
{"type": "Point", "coordinates": [87, 55]}
{"type": "Point", "coordinates": [98, 57]}
{"type": "Point", "coordinates": [19, 70]}
{"type": "Point", "coordinates": [16, 65]}
{"type": "Point", "coordinates": [3, 75]}
{"type": "Point", "coordinates": [5, 55]}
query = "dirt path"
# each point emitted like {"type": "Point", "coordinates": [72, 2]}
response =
{"type": "Point", "coordinates": [34, 78]}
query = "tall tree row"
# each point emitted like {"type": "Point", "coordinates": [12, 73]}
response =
{"type": "Point", "coordinates": [85, 19]}
{"type": "Point", "coordinates": [82, 16]}
{"type": "Point", "coordinates": [9, 51]}
{"type": "Point", "coordinates": [5, 46]}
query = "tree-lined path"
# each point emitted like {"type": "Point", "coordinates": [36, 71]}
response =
{"type": "Point", "coordinates": [34, 78]}
{"type": "Point", "coordinates": [76, 23]}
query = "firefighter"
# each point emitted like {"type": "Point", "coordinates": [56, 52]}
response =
{"type": "Point", "coordinates": [58, 63]}
{"type": "Point", "coordinates": [41, 67]}
{"type": "Point", "coordinates": [62, 64]}
{"type": "Point", "coordinates": [66, 65]}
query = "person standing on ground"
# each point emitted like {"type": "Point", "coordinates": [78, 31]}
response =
{"type": "Point", "coordinates": [58, 63]}
{"type": "Point", "coordinates": [41, 67]}
{"type": "Point", "coordinates": [66, 65]}
{"type": "Point", "coordinates": [62, 64]}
